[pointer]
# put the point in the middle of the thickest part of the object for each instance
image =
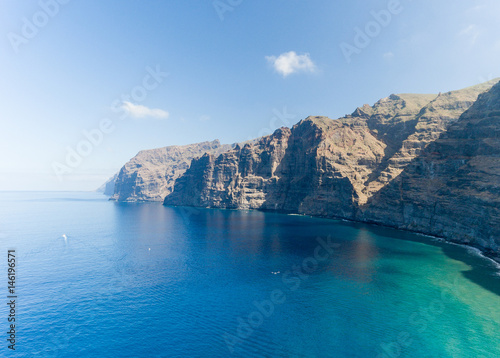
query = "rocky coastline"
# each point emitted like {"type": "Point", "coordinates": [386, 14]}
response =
{"type": "Point", "coordinates": [428, 164]}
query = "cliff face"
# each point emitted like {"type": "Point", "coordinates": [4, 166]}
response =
{"type": "Point", "coordinates": [238, 178]}
{"type": "Point", "coordinates": [365, 167]}
{"type": "Point", "coordinates": [452, 189]}
{"type": "Point", "coordinates": [108, 188]}
{"type": "Point", "coordinates": [151, 174]}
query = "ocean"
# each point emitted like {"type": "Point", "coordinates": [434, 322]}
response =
{"type": "Point", "coordinates": [96, 278]}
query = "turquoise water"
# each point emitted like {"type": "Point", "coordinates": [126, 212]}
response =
{"type": "Point", "coordinates": [144, 280]}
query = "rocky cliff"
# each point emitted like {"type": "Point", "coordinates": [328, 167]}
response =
{"type": "Point", "coordinates": [384, 164]}
{"type": "Point", "coordinates": [151, 174]}
{"type": "Point", "coordinates": [108, 188]}
{"type": "Point", "coordinates": [452, 189]}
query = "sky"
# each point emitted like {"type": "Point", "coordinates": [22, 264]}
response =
{"type": "Point", "coordinates": [86, 85]}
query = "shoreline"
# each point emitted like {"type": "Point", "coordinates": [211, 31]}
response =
{"type": "Point", "coordinates": [485, 253]}
{"type": "Point", "coordinates": [481, 251]}
{"type": "Point", "coordinates": [475, 251]}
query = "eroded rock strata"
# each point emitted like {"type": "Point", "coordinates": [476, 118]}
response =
{"type": "Point", "coordinates": [415, 162]}
{"type": "Point", "coordinates": [452, 189]}
{"type": "Point", "coordinates": [151, 174]}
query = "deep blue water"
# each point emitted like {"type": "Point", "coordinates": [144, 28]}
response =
{"type": "Point", "coordinates": [144, 280]}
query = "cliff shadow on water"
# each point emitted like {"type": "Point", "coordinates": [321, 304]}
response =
{"type": "Point", "coordinates": [478, 262]}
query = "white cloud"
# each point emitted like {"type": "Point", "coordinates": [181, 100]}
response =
{"type": "Point", "coordinates": [140, 111]}
{"type": "Point", "coordinates": [204, 118]}
{"type": "Point", "coordinates": [289, 62]}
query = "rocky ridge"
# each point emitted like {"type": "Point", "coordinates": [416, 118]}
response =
{"type": "Point", "coordinates": [151, 174]}
{"type": "Point", "coordinates": [378, 165]}
{"type": "Point", "coordinates": [452, 189]}
{"type": "Point", "coordinates": [108, 188]}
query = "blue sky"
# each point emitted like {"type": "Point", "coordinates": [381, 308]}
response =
{"type": "Point", "coordinates": [225, 69]}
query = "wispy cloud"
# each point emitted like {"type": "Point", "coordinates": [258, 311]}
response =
{"type": "Point", "coordinates": [470, 31]}
{"type": "Point", "coordinates": [140, 111]}
{"type": "Point", "coordinates": [388, 56]}
{"type": "Point", "coordinates": [289, 62]}
{"type": "Point", "coordinates": [476, 8]}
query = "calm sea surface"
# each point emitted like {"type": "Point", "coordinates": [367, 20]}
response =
{"type": "Point", "coordinates": [102, 279]}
